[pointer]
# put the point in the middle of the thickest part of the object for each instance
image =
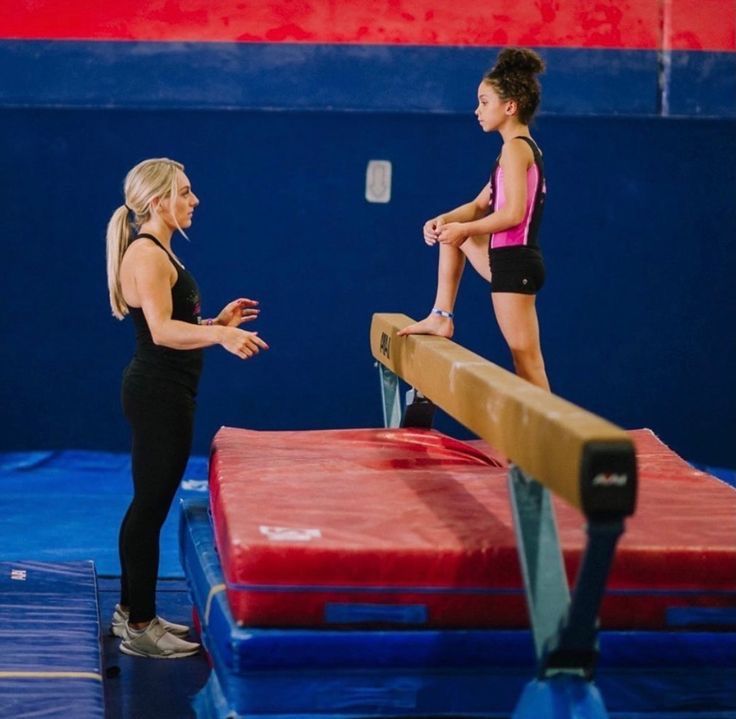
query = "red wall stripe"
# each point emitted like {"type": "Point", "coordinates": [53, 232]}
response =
{"type": "Point", "coordinates": [621, 24]}
{"type": "Point", "coordinates": [703, 24]}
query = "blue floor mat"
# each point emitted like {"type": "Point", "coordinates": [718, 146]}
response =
{"type": "Point", "coordinates": [49, 641]}
{"type": "Point", "coordinates": [67, 506]}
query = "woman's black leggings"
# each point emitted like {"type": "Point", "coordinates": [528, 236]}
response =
{"type": "Point", "coordinates": [161, 416]}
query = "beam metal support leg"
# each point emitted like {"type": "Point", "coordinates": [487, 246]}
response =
{"type": "Point", "coordinates": [419, 412]}
{"type": "Point", "coordinates": [545, 581]}
{"type": "Point", "coordinates": [390, 399]}
{"type": "Point", "coordinates": [564, 631]}
{"type": "Point", "coordinates": [575, 643]}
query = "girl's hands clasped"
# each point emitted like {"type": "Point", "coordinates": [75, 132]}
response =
{"type": "Point", "coordinates": [447, 233]}
{"type": "Point", "coordinates": [453, 233]}
{"type": "Point", "coordinates": [432, 230]}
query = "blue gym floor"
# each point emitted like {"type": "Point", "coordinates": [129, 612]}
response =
{"type": "Point", "coordinates": [148, 689]}
{"type": "Point", "coordinates": [64, 506]}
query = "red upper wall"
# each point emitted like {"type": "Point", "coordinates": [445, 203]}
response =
{"type": "Point", "coordinates": [623, 24]}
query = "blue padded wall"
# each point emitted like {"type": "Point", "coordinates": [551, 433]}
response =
{"type": "Point", "coordinates": [636, 315]}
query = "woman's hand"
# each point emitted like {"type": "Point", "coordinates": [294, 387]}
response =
{"type": "Point", "coordinates": [453, 233]}
{"type": "Point", "coordinates": [241, 343]}
{"type": "Point", "coordinates": [237, 312]}
{"type": "Point", "coordinates": [432, 229]}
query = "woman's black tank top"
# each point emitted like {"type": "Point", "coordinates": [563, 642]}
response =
{"type": "Point", "coordinates": [152, 360]}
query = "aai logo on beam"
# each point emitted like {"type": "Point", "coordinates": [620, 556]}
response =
{"type": "Point", "coordinates": [610, 480]}
{"type": "Point", "coordinates": [385, 346]}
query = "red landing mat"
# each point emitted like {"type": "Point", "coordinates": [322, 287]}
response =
{"type": "Point", "coordinates": [411, 527]}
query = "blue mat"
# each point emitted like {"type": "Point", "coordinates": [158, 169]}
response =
{"type": "Point", "coordinates": [305, 674]}
{"type": "Point", "coordinates": [50, 658]}
{"type": "Point", "coordinates": [68, 505]}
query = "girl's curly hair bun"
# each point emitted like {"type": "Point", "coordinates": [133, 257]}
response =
{"type": "Point", "coordinates": [514, 77]}
{"type": "Point", "coordinates": [518, 60]}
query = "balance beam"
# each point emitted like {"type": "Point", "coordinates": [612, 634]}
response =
{"type": "Point", "coordinates": [579, 456]}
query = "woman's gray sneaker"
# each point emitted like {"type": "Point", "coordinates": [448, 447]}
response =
{"type": "Point", "coordinates": [120, 618]}
{"type": "Point", "coordinates": [156, 643]}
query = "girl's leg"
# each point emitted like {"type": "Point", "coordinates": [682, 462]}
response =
{"type": "Point", "coordinates": [516, 315]}
{"type": "Point", "coordinates": [449, 272]}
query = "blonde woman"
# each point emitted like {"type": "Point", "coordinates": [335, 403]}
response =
{"type": "Point", "coordinates": [147, 281]}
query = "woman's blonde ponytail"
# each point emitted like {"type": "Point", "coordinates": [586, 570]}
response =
{"type": "Point", "coordinates": [118, 237]}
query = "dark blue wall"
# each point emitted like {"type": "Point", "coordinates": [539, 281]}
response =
{"type": "Point", "coordinates": [637, 315]}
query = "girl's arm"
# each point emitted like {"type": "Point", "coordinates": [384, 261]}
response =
{"type": "Point", "coordinates": [466, 213]}
{"type": "Point", "coordinates": [516, 158]}
{"type": "Point", "coordinates": [153, 277]}
{"type": "Point", "coordinates": [470, 211]}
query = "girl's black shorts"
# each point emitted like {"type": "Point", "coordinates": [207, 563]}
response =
{"type": "Point", "coordinates": [517, 269]}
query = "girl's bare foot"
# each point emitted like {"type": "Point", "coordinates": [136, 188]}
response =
{"type": "Point", "coordinates": [437, 322]}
